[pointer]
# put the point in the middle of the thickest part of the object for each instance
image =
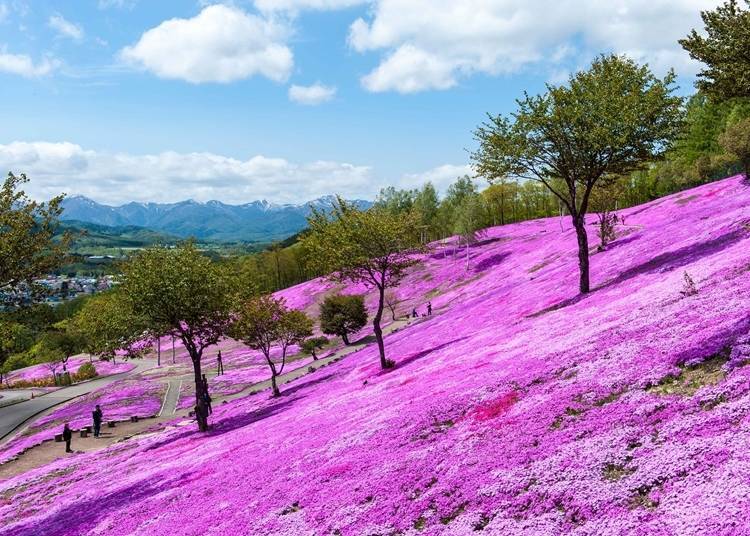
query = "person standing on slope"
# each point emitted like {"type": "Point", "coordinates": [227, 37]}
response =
{"type": "Point", "coordinates": [97, 415]}
{"type": "Point", "coordinates": [67, 436]}
{"type": "Point", "coordinates": [219, 365]}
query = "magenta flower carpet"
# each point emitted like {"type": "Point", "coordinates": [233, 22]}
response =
{"type": "Point", "coordinates": [518, 408]}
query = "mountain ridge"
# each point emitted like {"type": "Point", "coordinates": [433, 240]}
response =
{"type": "Point", "coordinates": [255, 221]}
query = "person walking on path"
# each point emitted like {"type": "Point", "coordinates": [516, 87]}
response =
{"type": "Point", "coordinates": [414, 313]}
{"type": "Point", "coordinates": [67, 436]}
{"type": "Point", "coordinates": [429, 308]}
{"type": "Point", "coordinates": [206, 397]}
{"type": "Point", "coordinates": [219, 365]}
{"type": "Point", "coordinates": [97, 414]}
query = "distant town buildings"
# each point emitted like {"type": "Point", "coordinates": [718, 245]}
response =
{"type": "Point", "coordinates": [55, 289]}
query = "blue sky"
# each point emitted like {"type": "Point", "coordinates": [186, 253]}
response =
{"type": "Point", "coordinates": [286, 100]}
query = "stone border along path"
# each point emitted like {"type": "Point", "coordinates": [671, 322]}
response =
{"type": "Point", "coordinates": [171, 398]}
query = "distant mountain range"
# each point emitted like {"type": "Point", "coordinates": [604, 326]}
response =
{"type": "Point", "coordinates": [258, 221]}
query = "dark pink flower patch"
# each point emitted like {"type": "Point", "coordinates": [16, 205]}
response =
{"type": "Point", "coordinates": [495, 408]}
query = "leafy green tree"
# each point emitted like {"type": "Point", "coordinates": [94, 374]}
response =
{"type": "Point", "coordinates": [183, 292]}
{"type": "Point", "coordinates": [736, 141]}
{"type": "Point", "coordinates": [342, 315]}
{"type": "Point", "coordinates": [312, 345]}
{"type": "Point", "coordinates": [374, 247]}
{"type": "Point", "coordinates": [469, 220]}
{"type": "Point", "coordinates": [264, 322]}
{"type": "Point", "coordinates": [425, 207]}
{"type": "Point", "coordinates": [607, 121]}
{"type": "Point", "coordinates": [724, 51]}
{"type": "Point", "coordinates": [394, 200]}
{"type": "Point", "coordinates": [27, 228]}
{"type": "Point", "coordinates": [107, 323]}
{"type": "Point", "coordinates": [14, 338]}
{"type": "Point", "coordinates": [58, 346]}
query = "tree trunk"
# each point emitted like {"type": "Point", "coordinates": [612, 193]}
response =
{"type": "Point", "coordinates": [579, 222]}
{"type": "Point", "coordinates": [275, 387]}
{"type": "Point", "coordinates": [200, 414]}
{"type": "Point", "coordinates": [158, 352]}
{"type": "Point", "coordinates": [345, 338]}
{"type": "Point", "coordinates": [378, 331]}
{"type": "Point", "coordinates": [467, 255]}
{"type": "Point", "coordinates": [173, 349]}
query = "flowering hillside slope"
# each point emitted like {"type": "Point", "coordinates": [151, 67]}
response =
{"type": "Point", "coordinates": [517, 409]}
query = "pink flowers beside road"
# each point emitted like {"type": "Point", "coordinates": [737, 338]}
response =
{"type": "Point", "coordinates": [119, 401]}
{"type": "Point", "coordinates": [519, 408]}
{"type": "Point", "coordinates": [38, 372]}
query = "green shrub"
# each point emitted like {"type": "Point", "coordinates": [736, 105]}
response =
{"type": "Point", "coordinates": [85, 372]}
{"type": "Point", "coordinates": [342, 315]}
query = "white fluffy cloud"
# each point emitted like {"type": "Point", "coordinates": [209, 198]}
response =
{"type": "Point", "coordinates": [311, 95]}
{"type": "Point", "coordinates": [441, 176]}
{"type": "Point", "coordinates": [23, 65]}
{"type": "Point", "coordinates": [116, 178]}
{"type": "Point", "coordinates": [172, 176]}
{"type": "Point", "coordinates": [65, 28]}
{"type": "Point", "coordinates": [220, 44]}
{"type": "Point", "coordinates": [431, 44]}
{"type": "Point", "coordinates": [298, 5]}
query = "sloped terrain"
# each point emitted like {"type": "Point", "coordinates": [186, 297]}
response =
{"type": "Point", "coordinates": [518, 408]}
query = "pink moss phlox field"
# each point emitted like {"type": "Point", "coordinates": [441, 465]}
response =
{"type": "Point", "coordinates": [519, 408]}
{"type": "Point", "coordinates": [119, 401]}
{"type": "Point", "coordinates": [38, 372]}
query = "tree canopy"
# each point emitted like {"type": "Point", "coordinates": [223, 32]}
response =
{"type": "Point", "coordinates": [179, 290]}
{"type": "Point", "coordinates": [724, 51]}
{"type": "Point", "coordinates": [27, 228]}
{"type": "Point", "coordinates": [343, 315]}
{"type": "Point", "coordinates": [374, 247]}
{"type": "Point", "coordinates": [264, 322]}
{"type": "Point", "coordinates": [605, 122]}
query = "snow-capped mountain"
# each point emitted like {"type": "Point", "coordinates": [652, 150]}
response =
{"type": "Point", "coordinates": [257, 221]}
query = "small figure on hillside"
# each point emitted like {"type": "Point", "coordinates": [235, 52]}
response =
{"type": "Point", "coordinates": [429, 308]}
{"type": "Point", "coordinates": [97, 415]}
{"type": "Point", "coordinates": [206, 397]}
{"type": "Point", "coordinates": [67, 435]}
{"type": "Point", "coordinates": [414, 313]}
{"type": "Point", "coordinates": [219, 364]}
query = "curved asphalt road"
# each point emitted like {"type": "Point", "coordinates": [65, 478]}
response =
{"type": "Point", "coordinates": [15, 415]}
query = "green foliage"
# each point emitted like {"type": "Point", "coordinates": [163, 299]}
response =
{"type": "Point", "coordinates": [179, 290]}
{"type": "Point", "coordinates": [342, 315]}
{"type": "Point", "coordinates": [609, 120]}
{"type": "Point", "coordinates": [14, 338]}
{"type": "Point", "coordinates": [86, 371]}
{"type": "Point", "coordinates": [264, 322]}
{"type": "Point", "coordinates": [27, 249]}
{"type": "Point", "coordinates": [374, 247]}
{"type": "Point", "coordinates": [724, 51]}
{"type": "Point", "coordinates": [395, 201]}
{"type": "Point", "coordinates": [736, 141]}
{"type": "Point", "coordinates": [312, 345]}
{"type": "Point", "coordinates": [107, 324]}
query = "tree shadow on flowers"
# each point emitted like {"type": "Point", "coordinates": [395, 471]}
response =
{"type": "Point", "coordinates": [289, 396]}
{"type": "Point", "coordinates": [491, 262]}
{"type": "Point", "coordinates": [81, 516]}
{"type": "Point", "coordinates": [424, 353]}
{"type": "Point", "coordinates": [665, 262]}
{"type": "Point", "coordinates": [671, 260]}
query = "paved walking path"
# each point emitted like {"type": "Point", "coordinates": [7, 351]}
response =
{"type": "Point", "coordinates": [14, 416]}
{"type": "Point", "coordinates": [171, 397]}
